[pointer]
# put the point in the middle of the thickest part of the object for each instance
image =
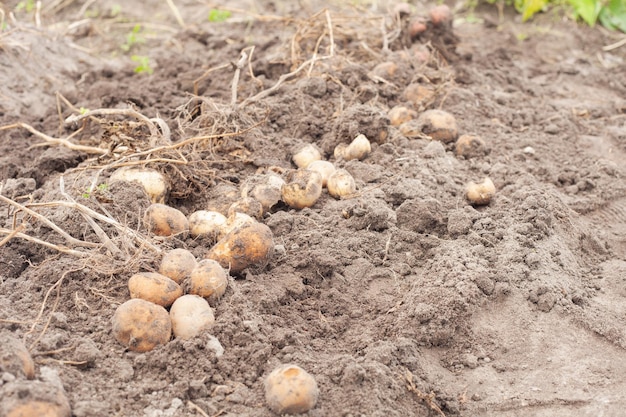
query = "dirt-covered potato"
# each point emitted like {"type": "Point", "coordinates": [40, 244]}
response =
{"type": "Point", "coordinates": [177, 264]}
{"type": "Point", "coordinates": [152, 181]}
{"type": "Point", "coordinates": [22, 398]}
{"type": "Point", "coordinates": [302, 188]}
{"type": "Point", "coordinates": [385, 70]}
{"type": "Point", "coordinates": [359, 148]}
{"type": "Point", "coordinates": [164, 220]}
{"type": "Point", "coordinates": [235, 220]}
{"type": "Point", "coordinates": [341, 184]}
{"type": "Point", "coordinates": [441, 15]}
{"type": "Point", "coordinates": [289, 389]}
{"type": "Point", "coordinates": [247, 205]}
{"type": "Point", "coordinates": [266, 189]}
{"type": "Point", "coordinates": [439, 125]}
{"type": "Point", "coordinates": [205, 223]}
{"type": "Point", "coordinates": [208, 280]}
{"type": "Point", "coordinates": [154, 287]}
{"type": "Point", "coordinates": [305, 155]}
{"type": "Point", "coordinates": [250, 245]}
{"type": "Point", "coordinates": [401, 114]}
{"type": "Point", "coordinates": [141, 325]}
{"type": "Point", "coordinates": [418, 94]}
{"type": "Point", "coordinates": [190, 315]}
{"type": "Point", "coordinates": [480, 194]}
{"type": "Point", "coordinates": [470, 146]}
{"type": "Point", "coordinates": [324, 168]}
{"type": "Point", "coordinates": [14, 357]}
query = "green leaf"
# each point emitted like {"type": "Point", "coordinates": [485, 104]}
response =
{"type": "Point", "coordinates": [613, 15]}
{"type": "Point", "coordinates": [588, 10]}
{"type": "Point", "coordinates": [216, 15]}
{"type": "Point", "coordinates": [530, 7]}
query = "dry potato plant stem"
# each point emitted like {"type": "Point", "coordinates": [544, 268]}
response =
{"type": "Point", "coordinates": [55, 141]}
{"type": "Point", "coordinates": [428, 399]}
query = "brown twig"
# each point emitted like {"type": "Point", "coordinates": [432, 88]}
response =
{"type": "Point", "coordinates": [55, 141]}
{"type": "Point", "coordinates": [428, 399]}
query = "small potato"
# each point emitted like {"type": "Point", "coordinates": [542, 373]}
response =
{"type": "Point", "coordinates": [177, 265]}
{"type": "Point", "coordinates": [14, 357]}
{"type": "Point", "coordinates": [418, 94]}
{"type": "Point", "coordinates": [480, 194]}
{"type": "Point", "coordinates": [401, 114]}
{"type": "Point", "coordinates": [305, 155]}
{"type": "Point", "coordinates": [417, 27]}
{"type": "Point", "coordinates": [302, 188]}
{"type": "Point", "coordinates": [152, 181]}
{"type": "Point", "coordinates": [385, 70]}
{"type": "Point", "coordinates": [205, 223]}
{"type": "Point", "coordinates": [470, 146]}
{"type": "Point", "coordinates": [155, 288]}
{"type": "Point", "coordinates": [439, 125]}
{"type": "Point", "coordinates": [359, 148]}
{"type": "Point", "coordinates": [223, 195]}
{"type": "Point", "coordinates": [324, 168]}
{"type": "Point", "coordinates": [250, 245]}
{"type": "Point", "coordinates": [341, 184]}
{"type": "Point", "coordinates": [264, 188]}
{"type": "Point", "coordinates": [22, 398]}
{"type": "Point", "coordinates": [290, 389]}
{"type": "Point", "coordinates": [247, 205]}
{"type": "Point", "coordinates": [441, 15]}
{"type": "Point", "coordinates": [164, 220]}
{"type": "Point", "coordinates": [208, 280]}
{"type": "Point", "coordinates": [234, 221]}
{"type": "Point", "coordinates": [190, 315]}
{"type": "Point", "coordinates": [141, 325]}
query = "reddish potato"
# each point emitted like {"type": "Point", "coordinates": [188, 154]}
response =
{"type": "Point", "coordinates": [441, 15]}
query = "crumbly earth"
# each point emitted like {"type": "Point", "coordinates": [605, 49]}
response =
{"type": "Point", "coordinates": [402, 300]}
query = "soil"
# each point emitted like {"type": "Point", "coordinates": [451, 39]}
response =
{"type": "Point", "coordinates": [401, 300]}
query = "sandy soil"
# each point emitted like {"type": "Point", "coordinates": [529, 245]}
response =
{"type": "Point", "coordinates": [403, 300]}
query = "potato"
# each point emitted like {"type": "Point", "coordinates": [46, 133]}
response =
{"type": "Point", "coordinates": [250, 245]}
{"type": "Point", "coordinates": [305, 155]}
{"type": "Point", "coordinates": [401, 114]}
{"type": "Point", "coordinates": [385, 70]}
{"type": "Point", "coordinates": [441, 15]}
{"type": "Point", "coordinates": [14, 357]}
{"type": "Point", "coordinates": [164, 220]}
{"type": "Point", "coordinates": [141, 325]}
{"type": "Point", "coordinates": [234, 221]}
{"type": "Point", "coordinates": [177, 265]}
{"type": "Point", "coordinates": [302, 188]}
{"type": "Point", "coordinates": [324, 168]}
{"type": "Point", "coordinates": [418, 94]}
{"type": "Point", "coordinates": [359, 148]}
{"type": "Point", "coordinates": [480, 194]}
{"type": "Point", "coordinates": [205, 223]}
{"type": "Point", "coordinates": [290, 389]}
{"type": "Point", "coordinates": [155, 288]}
{"type": "Point", "coordinates": [21, 398]}
{"type": "Point", "coordinates": [266, 189]}
{"type": "Point", "coordinates": [247, 205]}
{"type": "Point", "coordinates": [341, 184]}
{"type": "Point", "coordinates": [470, 146]}
{"type": "Point", "coordinates": [439, 125]}
{"type": "Point", "coordinates": [152, 181]}
{"type": "Point", "coordinates": [208, 280]}
{"type": "Point", "coordinates": [190, 315]}
{"type": "Point", "coordinates": [223, 196]}
{"type": "Point", "coordinates": [417, 27]}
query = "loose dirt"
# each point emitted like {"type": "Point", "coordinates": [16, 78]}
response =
{"type": "Point", "coordinates": [403, 300]}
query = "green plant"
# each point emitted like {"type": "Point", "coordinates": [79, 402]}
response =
{"type": "Point", "coordinates": [134, 37]}
{"type": "Point", "coordinates": [216, 15]}
{"type": "Point", "coordinates": [102, 187]}
{"type": "Point", "coordinates": [26, 5]}
{"type": "Point", "coordinates": [143, 64]}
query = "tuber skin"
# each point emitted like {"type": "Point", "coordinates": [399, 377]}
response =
{"type": "Point", "coordinates": [341, 184]}
{"type": "Point", "coordinates": [305, 155]}
{"type": "Point", "coordinates": [289, 389]}
{"type": "Point", "coordinates": [152, 181]}
{"type": "Point", "coordinates": [190, 315]}
{"type": "Point", "coordinates": [302, 189]}
{"type": "Point", "coordinates": [208, 280]}
{"type": "Point", "coordinates": [324, 168]}
{"type": "Point", "coordinates": [206, 223]}
{"type": "Point", "coordinates": [470, 146]}
{"type": "Point", "coordinates": [164, 220]}
{"type": "Point", "coordinates": [154, 287]}
{"type": "Point", "coordinates": [14, 357]}
{"type": "Point", "coordinates": [401, 114]}
{"type": "Point", "coordinates": [480, 194]}
{"type": "Point", "coordinates": [141, 325]}
{"type": "Point", "coordinates": [359, 148]}
{"type": "Point", "coordinates": [439, 125]}
{"type": "Point", "coordinates": [177, 264]}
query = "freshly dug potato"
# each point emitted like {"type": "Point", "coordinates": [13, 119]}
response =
{"type": "Point", "coordinates": [155, 288]}
{"type": "Point", "coordinates": [22, 398]}
{"type": "Point", "coordinates": [190, 315]}
{"type": "Point", "coordinates": [385, 70]}
{"type": "Point", "coordinates": [401, 114]}
{"type": "Point", "coordinates": [247, 205]}
{"type": "Point", "coordinates": [359, 148]}
{"type": "Point", "coordinates": [324, 168]}
{"type": "Point", "coordinates": [305, 155]}
{"type": "Point", "coordinates": [439, 125]}
{"type": "Point", "coordinates": [205, 223]}
{"type": "Point", "coordinates": [208, 280]}
{"type": "Point", "coordinates": [480, 194]}
{"type": "Point", "coordinates": [417, 27]}
{"type": "Point", "coordinates": [14, 357]}
{"type": "Point", "coordinates": [418, 94]}
{"type": "Point", "coordinates": [234, 221]}
{"type": "Point", "coordinates": [441, 15]}
{"type": "Point", "coordinates": [177, 265]}
{"type": "Point", "coordinates": [341, 184]}
{"type": "Point", "coordinates": [266, 189]}
{"type": "Point", "coordinates": [223, 196]}
{"type": "Point", "coordinates": [470, 146]}
{"type": "Point", "coordinates": [302, 188]}
{"type": "Point", "coordinates": [250, 245]}
{"type": "Point", "coordinates": [152, 181]}
{"type": "Point", "coordinates": [164, 220]}
{"type": "Point", "coordinates": [141, 325]}
{"type": "Point", "coordinates": [290, 389]}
